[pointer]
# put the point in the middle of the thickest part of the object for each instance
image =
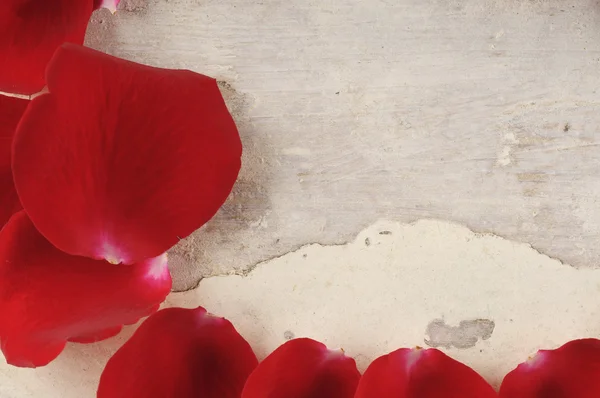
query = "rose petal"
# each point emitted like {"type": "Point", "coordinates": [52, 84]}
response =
{"type": "Point", "coordinates": [180, 353]}
{"type": "Point", "coordinates": [11, 110]}
{"type": "Point", "coordinates": [30, 32]}
{"type": "Point", "coordinates": [303, 368]}
{"type": "Point", "coordinates": [127, 167]}
{"type": "Point", "coordinates": [48, 297]}
{"type": "Point", "coordinates": [571, 371]}
{"type": "Point", "coordinates": [421, 373]}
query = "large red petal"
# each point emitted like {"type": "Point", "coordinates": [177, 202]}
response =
{"type": "Point", "coordinates": [125, 168]}
{"type": "Point", "coordinates": [48, 297]}
{"type": "Point", "coordinates": [303, 368]}
{"type": "Point", "coordinates": [420, 373]}
{"type": "Point", "coordinates": [30, 32]}
{"type": "Point", "coordinates": [180, 353]}
{"type": "Point", "coordinates": [571, 371]}
{"type": "Point", "coordinates": [11, 110]}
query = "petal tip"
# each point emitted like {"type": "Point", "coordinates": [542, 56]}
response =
{"type": "Point", "coordinates": [110, 5]}
{"type": "Point", "coordinates": [159, 267]}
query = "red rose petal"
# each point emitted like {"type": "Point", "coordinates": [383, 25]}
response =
{"type": "Point", "coordinates": [303, 368]}
{"type": "Point", "coordinates": [180, 353]}
{"type": "Point", "coordinates": [421, 373]}
{"type": "Point", "coordinates": [48, 297]}
{"type": "Point", "coordinates": [11, 110]}
{"type": "Point", "coordinates": [127, 167]}
{"type": "Point", "coordinates": [30, 32]}
{"type": "Point", "coordinates": [571, 371]}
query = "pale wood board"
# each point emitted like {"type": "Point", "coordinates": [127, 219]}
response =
{"type": "Point", "coordinates": [480, 112]}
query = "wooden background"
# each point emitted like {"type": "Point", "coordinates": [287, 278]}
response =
{"type": "Point", "coordinates": [484, 113]}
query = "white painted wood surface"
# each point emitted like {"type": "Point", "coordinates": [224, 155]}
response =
{"type": "Point", "coordinates": [380, 292]}
{"type": "Point", "coordinates": [481, 112]}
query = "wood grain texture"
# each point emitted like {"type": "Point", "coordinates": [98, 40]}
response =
{"type": "Point", "coordinates": [484, 113]}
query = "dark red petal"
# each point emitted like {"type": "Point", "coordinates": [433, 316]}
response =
{"type": "Point", "coordinates": [571, 371]}
{"type": "Point", "coordinates": [180, 353]}
{"type": "Point", "coordinates": [11, 110]}
{"type": "Point", "coordinates": [421, 373]}
{"type": "Point", "coordinates": [48, 297]}
{"type": "Point", "coordinates": [30, 32]}
{"type": "Point", "coordinates": [303, 368]}
{"type": "Point", "coordinates": [127, 167]}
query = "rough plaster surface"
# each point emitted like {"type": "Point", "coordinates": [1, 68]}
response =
{"type": "Point", "coordinates": [371, 299]}
{"type": "Point", "coordinates": [483, 112]}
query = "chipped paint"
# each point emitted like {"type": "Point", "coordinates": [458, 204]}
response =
{"type": "Point", "coordinates": [466, 335]}
{"type": "Point", "coordinates": [370, 300]}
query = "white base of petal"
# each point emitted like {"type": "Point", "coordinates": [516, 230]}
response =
{"type": "Point", "coordinates": [110, 5]}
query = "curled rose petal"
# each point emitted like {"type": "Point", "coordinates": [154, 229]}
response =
{"type": "Point", "coordinates": [571, 371]}
{"type": "Point", "coordinates": [11, 110]}
{"type": "Point", "coordinates": [180, 353]}
{"type": "Point", "coordinates": [48, 297]}
{"type": "Point", "coordinates": [421, 373]}
{"type": "Point", "coordinates": [126, 168]}
{"type": "Point", "coordinates": [30, 32]}
{"type": "Point", "coordinates": [303, 368]}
